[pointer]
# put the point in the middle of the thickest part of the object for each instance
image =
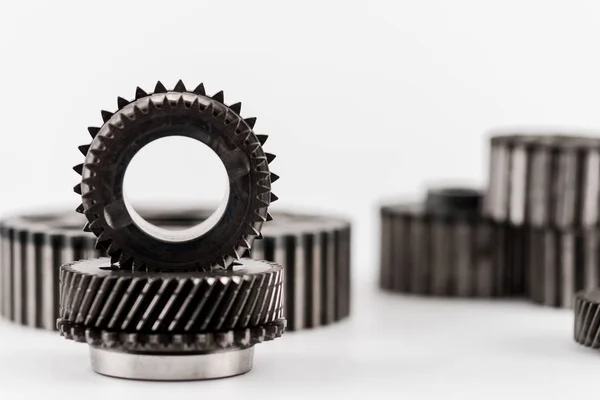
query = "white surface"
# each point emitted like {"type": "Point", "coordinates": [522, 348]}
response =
{"type": "Point", "coordinates": [393, 347]}
{"type": "Point", "coordinates": [362, 99]}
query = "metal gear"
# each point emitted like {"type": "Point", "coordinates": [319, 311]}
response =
{"type": "Point", "coordinates": [587, 318]}
{"type": "Point", "coordinates": [546, 190]}
{"type": "Point", "coordinates": [95, 294]}
{"type": "Point", "coordinates": [315, 250]}
{"type": "Point", "coordinates": [444, 247]}
{"type": "Point", "coordinates": [542, 180]}
{"type": "Point", "coordinates": [164, 343]}
{"type": "Point", "coordinates": [215, 243]}
{"type": "Point", "coordinates": [561, 263]}
{"type": "Point", "coordinates": [163, 326]}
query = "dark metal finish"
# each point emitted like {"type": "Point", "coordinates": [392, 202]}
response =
{"type": "Point", "coordinates": [540, 181]}
{"type": "Point", "coordinates": [215, 243]}
{"type": "Point", "coordinates": [587, 318]}
{"type": "Point", "coordinates": [164, 343]}
{"type": "Point", "coordinates": [561, 263]}
{"type": "Point", "coordinates": [315, 252]}
{"type": "Point", "coordinates": [434, 251]}
{"type": "Point", "coordinates": [96, 295]}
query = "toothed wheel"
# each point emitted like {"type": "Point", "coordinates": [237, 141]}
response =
{"type": "Point", "coordinates": [217, 242]}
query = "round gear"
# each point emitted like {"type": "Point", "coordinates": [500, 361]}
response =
{"type": "Point", "coordinates": [443, 247]}
{"type": "Point", "coordinates": [169, 343]}
{"type": "Point", "coordinates": [587, 318]}
{"type": "Point", "coordinates": [217, 242]}
{"type": "Point", "coordinates": [544, 180]}
{"type": "Point", "coordinates": [315, 250]}
{"type": "Point", "coordinates": [96, 295]}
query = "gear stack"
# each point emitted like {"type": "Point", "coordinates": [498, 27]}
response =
{"type": "Point", "coordinates": [173, 304]}
{"type": "Point", "coordinates": [313, 248]}
{"type": "Point", "coordinates": [547, 190]}
{"type": "Point", "coordinates": [444, 247]}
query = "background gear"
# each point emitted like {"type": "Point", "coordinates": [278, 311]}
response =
{"type": "Point", "coordinates": [443, 247]}
{"type": "Point", "coordinates": [315, 252]}
{"type": "Point", "coordinates": [587, 318]}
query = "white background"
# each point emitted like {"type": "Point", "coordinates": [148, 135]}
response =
{"type": "Point", "coordinates": [363, 101]}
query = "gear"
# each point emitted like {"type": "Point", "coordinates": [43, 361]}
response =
{"type": "Point", "coordinates": [218, 241]}
{"type": "Point", "coordinates": [316, 254]}
{"type": "Point", "coordinates": [539, 181]}
{"type": "Point", "coordinates": [587, 318]}
{"type": "Point", "coordinates": [561, 263]}
{"type": "Point", "coordinates": [443, 247]}
{"type": "Point", "coordinates": [95, 295]}
{"type": "Point", "coordinates": [315, 250]}
{"type": "Point", "coordinates": [164, 343]}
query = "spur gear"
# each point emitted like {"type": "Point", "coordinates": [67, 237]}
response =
{"type": "Point", "coordinates": [218, 241]}
{"type": "Point", "coordinates": [546, 190]}
{"type": "Point", "coordinates": [443, 247]}
{"type": "Point", "coordinates": [171, 326]}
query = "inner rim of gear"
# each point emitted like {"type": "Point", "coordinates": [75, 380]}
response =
{"type": "Point", "coordinates": [194, 229]}
{"type": "Point", "coordinates": [176, 113]}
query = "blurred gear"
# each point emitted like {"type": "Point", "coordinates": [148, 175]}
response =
{"type": "Point", "coordinates": [315, 252]}
{"type": "Point", "coordinates": [184, 313]}
{"type": "Point", "coordinates": [444, 247]}
{"type": "Point", "coordinates": [217, 242]}
{"type": "Point", "coordinates": [544, 180]}
{"type": "Point", "coordinates": [587, 318]}
{"type": "Point", "coordinates": [546, 190]}
{"type": "Point", "coordinates": [561, 263]}
{"type": "Point", "coordinates": [314, 249]}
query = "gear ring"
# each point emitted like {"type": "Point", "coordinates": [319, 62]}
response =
{"type": "Point", "coordinates": [179, 112]}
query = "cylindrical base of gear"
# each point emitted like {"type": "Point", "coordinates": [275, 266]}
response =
{"type": "Point", "coordinates": [165, 367]}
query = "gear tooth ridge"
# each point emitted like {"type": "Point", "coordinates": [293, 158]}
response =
{"type": "Point", "coordinates": [84, 149]}
{"type": "Point", "coordinates": [250, 121]}
{"type": "Point", "coordinates": [262, 139]}
{"type": "Point", "coordinates": [106, 115]}
{"type": "Point", "coordinates": [139, 93]}
{"type": "Point", "coordinates": [236, 108]}
{"type": "Point", "coordinates": [180, 87]}
{"type": "Point", "coordinates": [93, 131]}
{"type": "Point", "coordinates": [78, 168]}
{"type": "Point", "coordinates": [219, 96]}
{"type": "Point", "coordinates": [121, 102]}
{"type": "Point", "coordinates": [160, 88]}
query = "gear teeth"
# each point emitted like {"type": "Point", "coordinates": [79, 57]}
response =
{"type": "Point", "coordinates": [78, 168]}
{"type": "Point", "coordinates": [121, 102]}
{"type": "Point", "coordinates": [106, 115]}
{"type": "Point", "coordinates": [274, 177]}
{"type": "Point", "coordinates": [160, 88]}
{"type": "Point", "coordinates": [77, 188]}
{"type": "Point", "coordinates": [262, 139]}
{"type": "Point", "coordinates": [263, 189]}
{"type": "Point", "coordinates": [180, 87]}
{"type": "Point", "coordinates": [269, 217]}
{"type": "Point", "coordinates": [152, 304]}
{"type": "Point", "coordinates": [139, 93]}
{"type": "Point", "coordinates": [86, 227]}
{"type": "Point", "coordinates": [274, 198]}
{"type": "Point", "coordinates": [250, 121]}
{"type": "Point", "coordinates": [270, 157]}
{"type": "Point", "coordinates": [80, 209]}
{"type": "Point", "coordinates": [219, 96]}
{"type": "Point", "coordinates": [84, 149]}
{"type": "Point", "coordinates": [236, 108]}
{"type": "Point", "coordinates": [200, 90]}
{"type": "Point", "coordinates": [93, 131]}
{"type": "Point", "coordinates": [99, 246]}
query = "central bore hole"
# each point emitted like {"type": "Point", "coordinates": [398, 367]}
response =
{"type": "Point", "coordinates": [171, 174]}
